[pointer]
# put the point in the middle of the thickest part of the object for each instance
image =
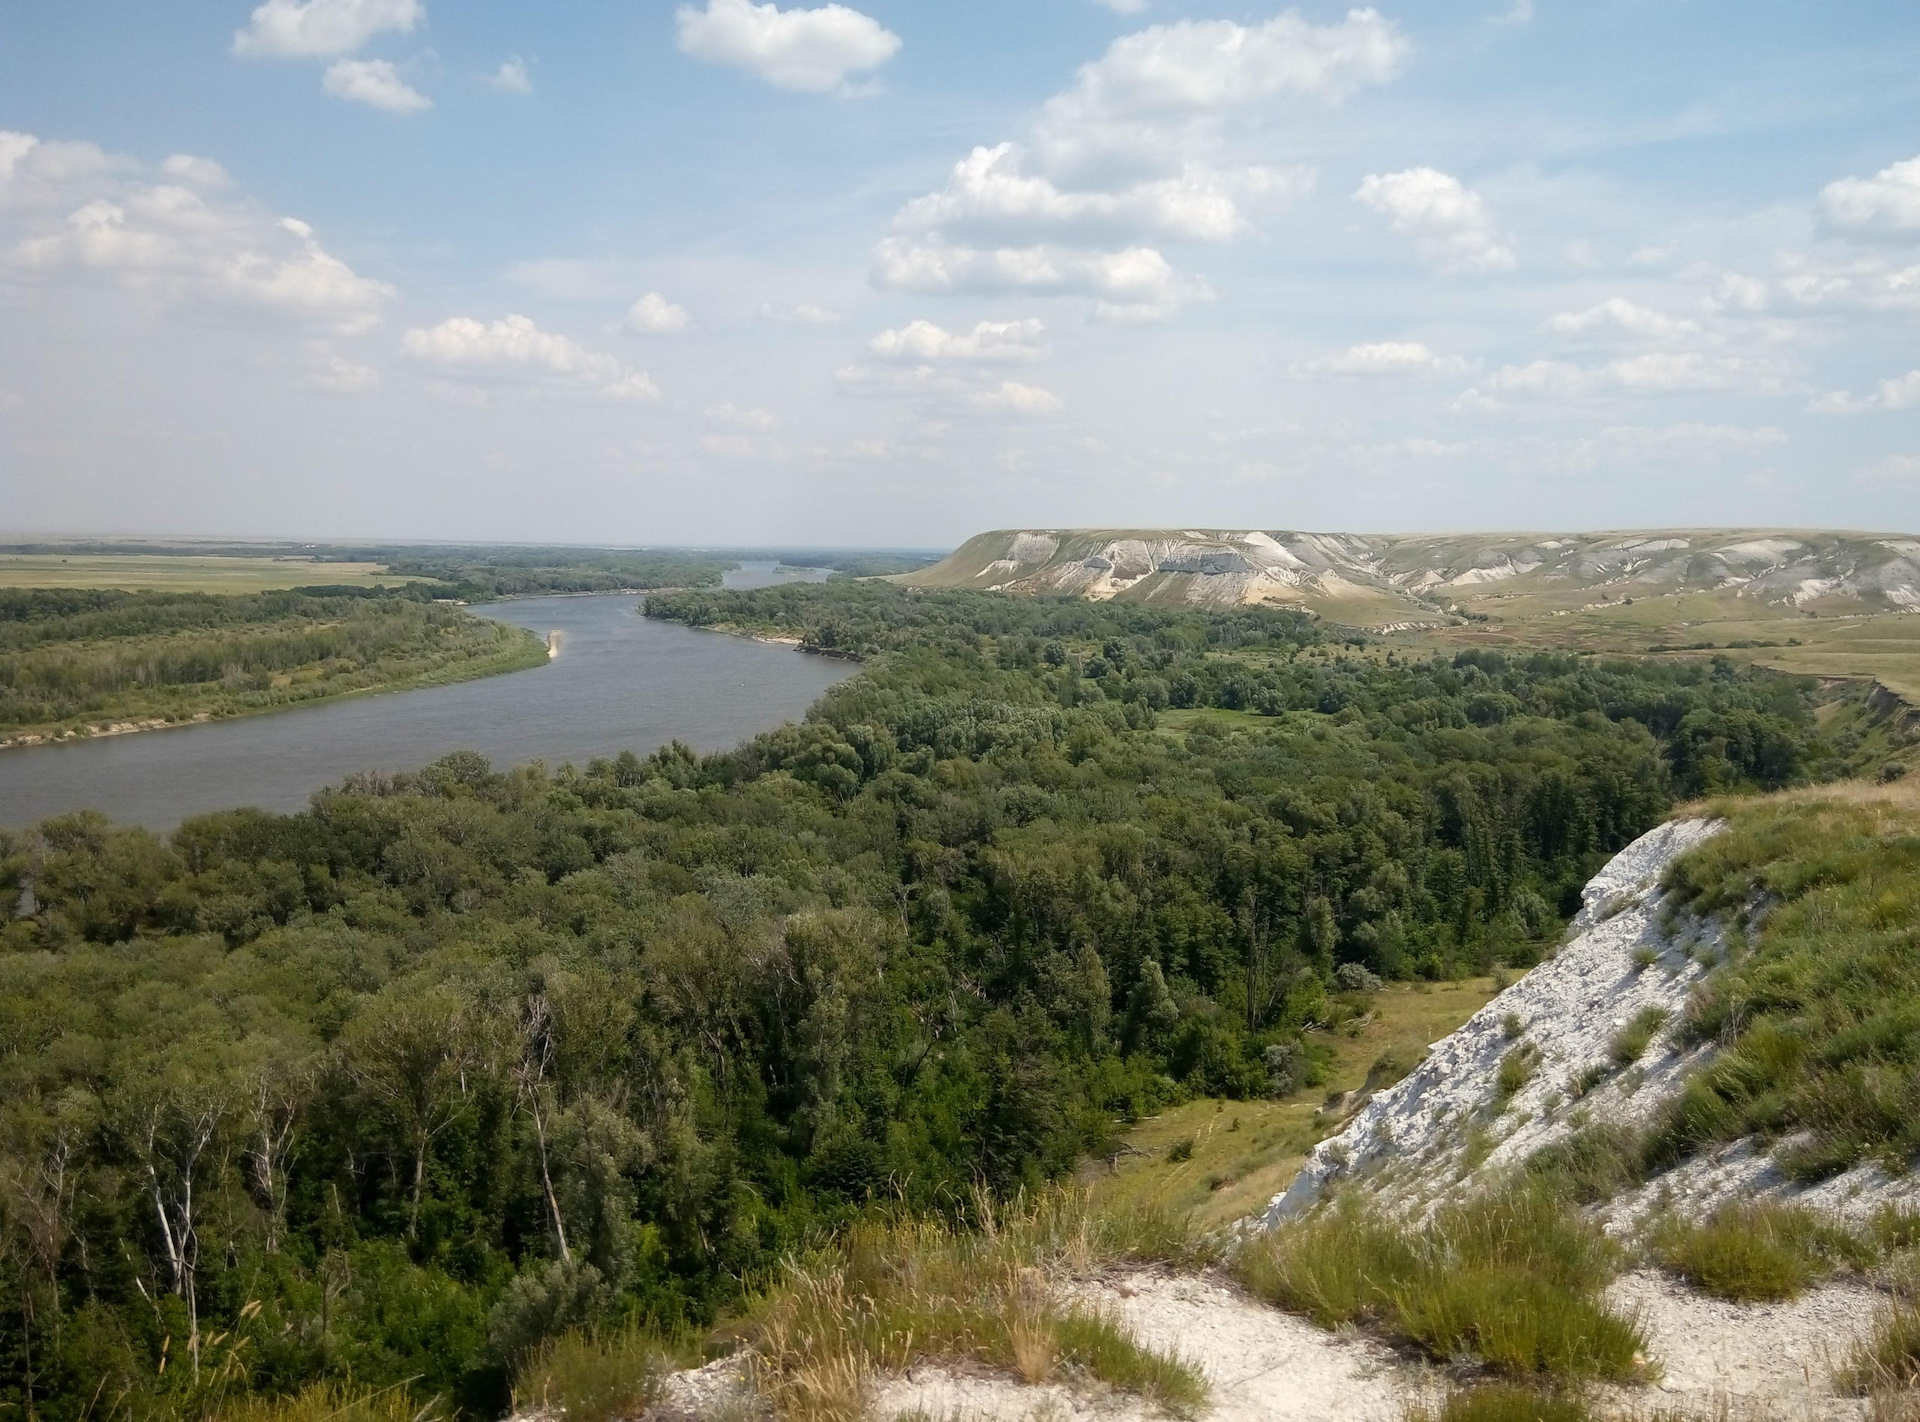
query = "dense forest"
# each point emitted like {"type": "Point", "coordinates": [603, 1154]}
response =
{"type": "Point", "coordinates": [397, 1087]}
{"type": "Point", "coordinates": [71, 659]}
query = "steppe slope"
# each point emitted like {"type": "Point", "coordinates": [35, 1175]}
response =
{"type": "Point", "coordinates": [1429, 579]}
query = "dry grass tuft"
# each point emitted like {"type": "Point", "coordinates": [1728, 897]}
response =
{"type": "Point", "coordinates": [892, 1294]}
{"type": "Point", "coordinates": [337, 1402]}
{"type": "Point", "coordinates": [593, 1378]}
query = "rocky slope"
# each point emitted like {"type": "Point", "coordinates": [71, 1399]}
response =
{"type": "Point", "coordinates": [1390, 581]}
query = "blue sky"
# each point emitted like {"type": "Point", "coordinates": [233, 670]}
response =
{"type": "Point", "coordinates": [726, 272]}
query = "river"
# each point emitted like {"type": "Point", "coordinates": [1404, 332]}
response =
{"type": "Point", "coordinates": [620, 683]}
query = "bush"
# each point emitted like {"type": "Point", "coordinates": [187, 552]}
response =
{"type": "Point", "coordinates": [1356, 977]}
{"type": "Point", "coordinates": [1503, 1402]}
{"type": "Point", "coordinates": [1763, 1251]}
{"type": "Point", "coordinates": [1512, 1280]}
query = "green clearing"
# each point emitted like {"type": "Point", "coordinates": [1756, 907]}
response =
{"type": "Point", "coordinates": [1246, 1152]}
{"type": "Point", "coordinates": [189, 573]}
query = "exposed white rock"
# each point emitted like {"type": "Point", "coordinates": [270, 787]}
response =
{"type": "Point", "coordinates": [1414, 1140]}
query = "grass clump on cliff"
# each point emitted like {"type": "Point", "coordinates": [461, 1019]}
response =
{"type": "Point", "coordinates": [1511, 1279]}
{"type": "Point", "coordinates": [891, 1294]}
{"type": "Point", "coordinates": [586, 1377]}
{"type": "Point", "coordinates": [1757, 1252]}
{"type": "Point", "coordinates": [1819, 1022]}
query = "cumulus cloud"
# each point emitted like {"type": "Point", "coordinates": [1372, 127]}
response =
{"type": "Point", "coordinates": [1379, 360]}
{"type": "Point", "coordinates": [1901, 392]}
{"type": "Point", "coordinates": [1448, 222]}
{"type": "Point", "coordinates": [1132, 155]}
{"type": "Point", "coordinates": [1010, 397]}
{"type": "Point", "coordinates": [195, 172]}
{"type": "Point", "coordinates": [654, 315]}
{"type": "Point", "coordinates": [1652, 373]}
{"type": "Point", "coordinates": [988, 343]}
{"type": "Point", "coordinates": [320, 29]}
{"type": "Point", "coordinates": [328, 370]}
{"type": "Point", "coordinates": [1889, 201]}
{"type": "Point", "coordinates": [750, 417]}
{"type": "Point", "coordinates": [515, 350]}
{"type": "Point", "coordinates": [1866, 283]}
{"type": "Point", "coordinates": [511, 77]}
{"type": "Point", "coordinates": [1618, 315]}
{"type": "Point", "coordinates": [375, 83]}
{"type": "Point", "coordinates": [803, 313]}
{"type": "Point", "coordinates": [806, 51]}
{"type": "Point", "coordinates": [75, 213]}
{"type": "Point", "coordinates": [1141, 98]}
{"type": "Point", "coordinates": [992, 196]}
{"type": "Point", "coordinates": [1134, 280]}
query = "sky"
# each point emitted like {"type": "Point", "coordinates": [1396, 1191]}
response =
{"type": "Point", "coordinates": [721, 272]}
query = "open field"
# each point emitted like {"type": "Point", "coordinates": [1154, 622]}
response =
{"type": "Point", "coordinates": [1245, 1152]}
{"type": "Point", "coordinates": [187, 573]}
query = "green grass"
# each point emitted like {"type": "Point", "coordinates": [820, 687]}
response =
{"type": "Point", "coordinates": [1517, 1068]}
{"type": "Point", "coordinates": [890, 1294]}
{"type": "Point", "coordinates": [1757, 1252]}
{"type": "Point", "coordinates": [1889, 1357]}
{"type": "Point", "coordinates": [337, 1402]}
{"type": "Point", "coordinates": [1503, 1402]}
{"type": "Point", "coordinates": [1511, 1280]}
{"type": "Point", "coordinates": [1820, 1017]}
{"type": "Point", "coordinates": [1630, 1043]}
{"type": "Point", "coordinates": [588, 1378]}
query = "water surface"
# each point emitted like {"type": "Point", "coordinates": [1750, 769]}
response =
{"type": "Point", "coordinates": [619, 683]}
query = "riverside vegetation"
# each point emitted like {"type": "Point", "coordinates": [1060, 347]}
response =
{"type": "Point", "coordinates": [73, 660]}
{"type": "Point", "coordinates": [395, 1092]}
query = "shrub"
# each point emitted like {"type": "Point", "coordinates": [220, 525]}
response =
{"type": "Point", "coordinates": [1511, 1279]}
{"type": "Point", "coordinates": [1180, 1151]}
{"type": "Point", "coordinates": [1762, 1251]}
{"type": "Point", "coordinates": [1631, 1041]}
{"type": "Point", "coordinates": [1356, 977]}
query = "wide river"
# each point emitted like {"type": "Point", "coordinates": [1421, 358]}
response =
{"type": "Point", "coordinates": [619, 683]}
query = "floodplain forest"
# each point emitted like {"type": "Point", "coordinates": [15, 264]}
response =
{"type": "Point", "coordinates": [394, 1090]}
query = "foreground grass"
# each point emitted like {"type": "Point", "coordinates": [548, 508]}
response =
{"type": "Point", "coordinates": [892, 1294]}
{"type": "Point", "coordinates": [1821, 1017]}
{"type": "Point", "coordinates": [593, 1378]}
{"type": "Point", "coordinates": [337, 1402]}
{"type": "Point", "coordinates": [1512, 1280]}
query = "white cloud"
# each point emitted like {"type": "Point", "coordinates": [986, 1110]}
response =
{"type": "Point", "coordinates": [751, 418]}
{"type": "Point", "coordinates": [516, 349]}
{"type": "Point", "coordinates": [1448, 222]}
{"type": "Point", "coordinates": [1652, 373]}
{"type": "Point", "coordinates": [654, 315]}
{"type": "Point", "coordinates": [991, 196]}
{"type": "Point", "coordinates": [806, 51]}
{"type": "Point", "coordinates": [375, 83]}
{"type": "Point", "coordinates": [804, 313]}
{"type": "Point", "coordinates": [1010, 397]}
{"type": "Point", "coordinates": [730, 446]}
{"type": "Point", "coordinates": [511, 77]}
{"type": "Point", "coordinates": [988, 343]}
{"type": "Point", "coordinates": [195, 172]}
{"type": "Point", "coordinates": [86, 216]}
{"type": "Point", "coordinates": [319, 29]}
{"type": "Point", "coordinates": [1889, 201]}
{"type": "Point", "coordinates": [1901, 392]}
{"type": "Point", "coordinates": [334, 373]}
{"type": "Point", "coordinates": [1124, 7]}
{"type": "Point", "coordinates": [1136, 279]}
{"type": "Point", "coordinates": [1521, 13]}
{"type": "Point", "coordinates": [1616, 313]}
{"type": "Point", "coordinates": [1899, 469]}
{"type": "Point", "coordinates": [1379, 359]}
{"type": "Point", "coordinates": [1868, 284]}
